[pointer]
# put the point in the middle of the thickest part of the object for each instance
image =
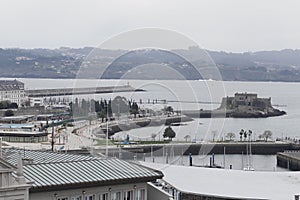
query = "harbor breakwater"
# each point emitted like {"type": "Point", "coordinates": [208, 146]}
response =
{"type": "Point", "coordinates": [118, 126]}
{"type": "Point", "coordinates": [79, 91]}
{"type": "Point", "coordinates": [141, 151]}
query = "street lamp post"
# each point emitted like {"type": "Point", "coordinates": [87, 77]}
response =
{"type": "Point", "coordinates": [106, 150]}
{"type": "Point", "coordinates": [52, 136]}
{"type": "Point", "coordinates": [250, 150]}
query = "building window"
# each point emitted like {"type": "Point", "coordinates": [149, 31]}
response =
{"type": "Point", "coordinates": [116, 196]}
{"type": "Point", "coordinates": [76, 198]}
{"type": "Point", "coordinates": [128, 195]}
{"type": "Point", "coordinates": [89, 197]}
{"type": "Point", "coordinates": [62, 198]}
{"type": "Point", "coordinates": [103, 196]}
{"type": "Point", "coordinates": [141, 194]}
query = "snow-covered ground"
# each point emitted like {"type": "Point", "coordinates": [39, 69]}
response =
{"type": "Point", "coordinates": [231, 183]}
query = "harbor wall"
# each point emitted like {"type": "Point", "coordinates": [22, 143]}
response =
{"type": "Point", "coordinates": [73, 91]}
{"type": "Point", "coordinates": [141, 151]}
{"type": "Point", "coordinates": [143, 122]}
{"type": "Point", "coordinates": [288, 160]}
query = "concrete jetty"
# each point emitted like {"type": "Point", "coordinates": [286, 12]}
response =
{"type": "Point", "coordinates": [289, 160]}
{"type": "Point", "coordinates": [76, 91]}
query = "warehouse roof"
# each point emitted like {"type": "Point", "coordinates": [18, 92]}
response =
{"type": "Point", "coordinates": [93, 172]}
{"type": "Point", "coordinates": [11, 155]}
{"type": "Point", "coordinates": [52, 171]}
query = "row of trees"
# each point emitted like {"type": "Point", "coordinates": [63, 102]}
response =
{"type": "Point", "coordinates": [247, 135]}
{"type": "Point", "coordinates": [103, 108]}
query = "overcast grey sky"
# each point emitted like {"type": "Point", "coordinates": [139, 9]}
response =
{"type": "Point", "coordinates": [229, 25]}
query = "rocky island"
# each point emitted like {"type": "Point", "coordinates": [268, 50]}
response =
{"type": "Point", "coordinates": [241, 105]}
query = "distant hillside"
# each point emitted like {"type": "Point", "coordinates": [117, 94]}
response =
{"type": "Point", "coordinates": [151, 64]}
{"type": "Point", "coordinates": [259, 66]}
{"type": "Point", "coordinates": [281, 65]}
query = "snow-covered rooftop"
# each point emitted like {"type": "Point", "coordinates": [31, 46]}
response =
{"type": "Point", "coordinates": [231, 183]}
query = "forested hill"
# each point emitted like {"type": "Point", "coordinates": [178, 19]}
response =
{"type": "Point", "coordinates": [281, 65]}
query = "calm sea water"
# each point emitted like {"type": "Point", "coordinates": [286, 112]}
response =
{"type": "Point", "coordinates": [195, 95]}
{"type": "Point", "coordinates": [286, 95]}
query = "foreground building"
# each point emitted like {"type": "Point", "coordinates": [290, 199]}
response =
{"type": "Point", "coordinates": [197, 183]}
{"type": "Point", "coordinates": [12, 182]}
{"type": "Point", "coordinates": [79, 177]}
{"type": "Point", "coordinates": [13, 91]}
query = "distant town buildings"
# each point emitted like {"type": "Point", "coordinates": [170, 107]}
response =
{"type": "Point", "coordinates": [13, 91]}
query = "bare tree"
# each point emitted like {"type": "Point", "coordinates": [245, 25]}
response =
{"type": "Point", "coordinates": [267, 134]}
{"type": "Point", "coordinates": [153, 136]}
{"type": "Point", "coordinates": [187, 137]}
{"type": "Point", "coordinates": [230, 136]}
{"type": "Point", "coordinates": [214, 134]}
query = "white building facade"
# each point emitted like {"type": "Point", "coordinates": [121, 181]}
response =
{"type": "Point", "coordinates": [13, 91]}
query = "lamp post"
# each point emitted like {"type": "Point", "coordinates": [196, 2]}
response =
{"type": "Point", "coordinates": [52, 136]}
{"type": "Point", "coordinates": [83, 194]}
{"type": "Point", "coordinates": [106, 150]}
{"type": "Point", "coordinates": [250, 150]}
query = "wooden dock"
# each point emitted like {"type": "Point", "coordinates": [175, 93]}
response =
{"type": "Point", "coordinates": [78, 91]}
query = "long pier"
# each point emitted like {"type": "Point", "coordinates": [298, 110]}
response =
{"type": "Point", "coordinates": [77, 91]}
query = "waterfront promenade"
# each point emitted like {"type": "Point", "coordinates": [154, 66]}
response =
{"type": "Point", "coordinates": [86, 134]}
